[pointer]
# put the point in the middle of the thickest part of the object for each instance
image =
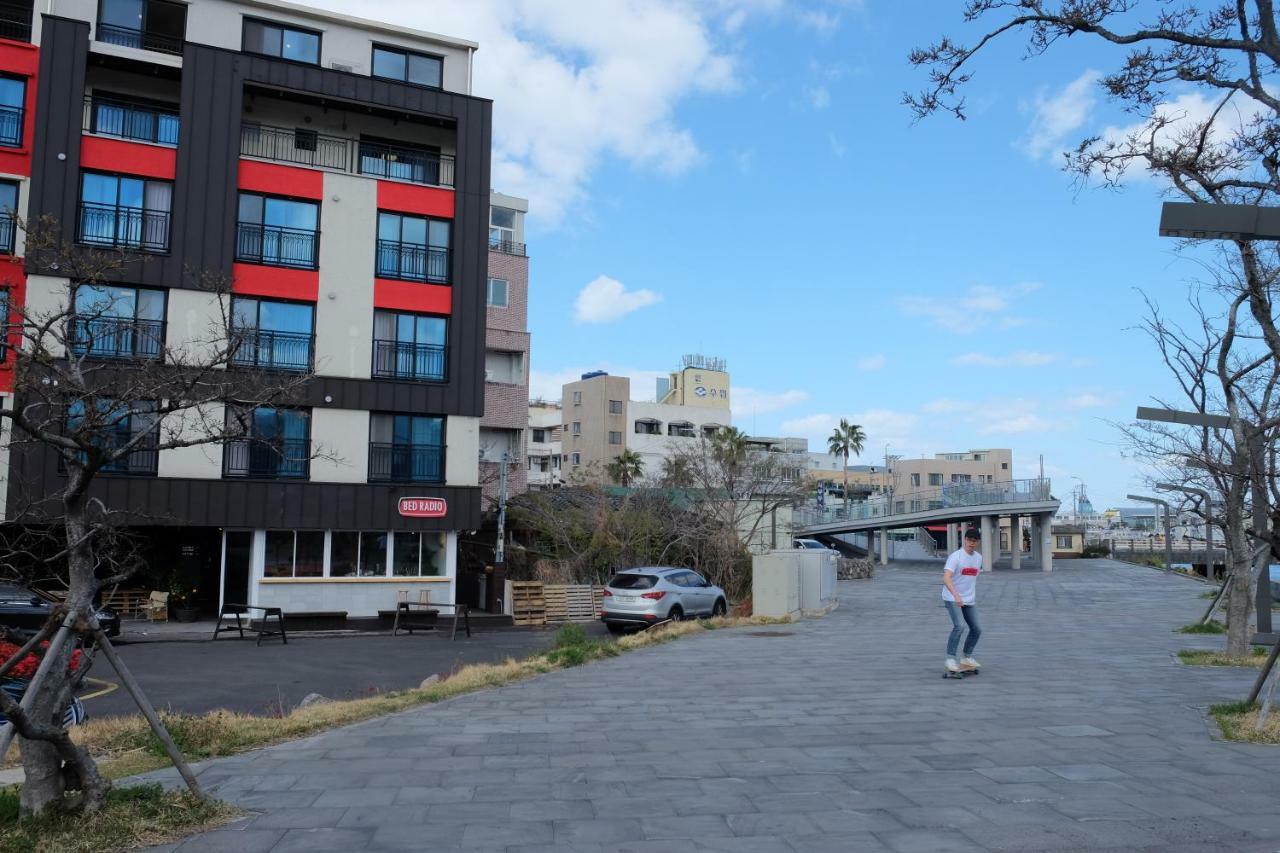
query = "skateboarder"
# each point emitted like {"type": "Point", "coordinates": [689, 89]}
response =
{"type": "Point", "coordinates": [959, 586]}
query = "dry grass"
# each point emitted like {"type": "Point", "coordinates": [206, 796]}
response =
{"type": "Point", "coordinates": [1238, 719]}
{"type": "Point", "coordinates": [1206, 657]}
{"type": "Point", "coordinates": [135, 817]}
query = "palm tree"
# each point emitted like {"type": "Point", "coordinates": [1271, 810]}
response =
{"type": "Point", "coordinates": [625, 467]}
{"type": "Point", "coordinates": [844, 440]}
{"type": "Point", "coordinates": [677, 472]}
{"type": "Point", "coordinates": [729, 445]}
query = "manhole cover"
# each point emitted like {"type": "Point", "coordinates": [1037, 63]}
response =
{"type": "Point", "coordinates": [771, 633]}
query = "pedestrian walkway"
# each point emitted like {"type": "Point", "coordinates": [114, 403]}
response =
{"type": "Point", "coordinates": [1082, 733]}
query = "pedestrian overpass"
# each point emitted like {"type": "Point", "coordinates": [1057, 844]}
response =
{"type": "Point", "coordinates": [957, 504]}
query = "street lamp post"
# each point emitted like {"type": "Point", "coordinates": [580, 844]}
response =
{"type": "Point", "coordinates": [1168, 538]}
{"type": "Point", "coordinates": [1208, 520]}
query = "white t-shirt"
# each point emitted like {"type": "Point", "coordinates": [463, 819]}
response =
{"type": "Point", "coordinates": [964, 569]}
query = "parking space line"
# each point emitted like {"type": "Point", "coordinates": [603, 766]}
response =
{"type": "Point", "coordinates": [106, 687]}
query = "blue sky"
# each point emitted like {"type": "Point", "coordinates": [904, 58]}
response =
{"type": "Point", "coordinates": [739, 178]}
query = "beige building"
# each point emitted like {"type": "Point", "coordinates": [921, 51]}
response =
{"type": "Point", "coordinates": [943, 469]}
{"type": "Point", "coordinates": [701, 382]}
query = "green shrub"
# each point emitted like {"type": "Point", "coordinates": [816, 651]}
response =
{"type": "Point", "coordinates": [570, 635]}
{"type": "Point", "coordinates": [1211, 627]}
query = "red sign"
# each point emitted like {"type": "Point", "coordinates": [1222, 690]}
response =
{"type": "Point", "coordinates": [424, 507]}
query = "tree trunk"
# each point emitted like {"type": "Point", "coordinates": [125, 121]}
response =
{"type": "Point", "coordinates": [1239, 597]}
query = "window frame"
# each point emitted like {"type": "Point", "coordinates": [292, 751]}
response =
{"type": "Point", "coordinates": [426, 246]}
{"type": "Point", "coordinates": [506, 293]}
{"type": "Point", "coordinates": [613, 433]}
{"type": "Point", "coordinates": [257, 327]}
{"type": "Point", "coordinates": [406, 53]}
{"type": "Point", "coordinates": [442, 447]}
{"type": "Point", "coordinates": [397, 314]}
{"type": "Point", "coordinates": [21, 140]}
{"type": "Point", "coordinates": [118, 207]}
{"type": "Point", "coordinates": [261, 225]}
{"type": "Point", "coordinates": [246, 20]}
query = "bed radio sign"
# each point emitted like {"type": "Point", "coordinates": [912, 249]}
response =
{"type": "Point", "coordinates": [424, 507]}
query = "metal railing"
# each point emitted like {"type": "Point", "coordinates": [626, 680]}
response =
{"type": "Point", "coordinates": [405, 164]}
{"type": "Point", "coordinates": [141, 39]}
{"type": "Point", "coordinates": [408, 360]}
{"type": "Point", "coordinates": [276, 245]}
{"type": "Point", "coordinates": [270, 350]}
{"type": "Point", "coordinates": [285, 145]}
{"type": "Point", "coordinates": [116, 225]}
{"type": "Point", "coordinates": [143, 460]}
{"type": "Point", "coordinates": [267, 458]}
{"type": "Point", "coordinates": [406, 463]}
{"type": "Point", "coordinates": [412, 262]}
{"type": "Point", "coordinates": [109, 117]}
{"type": "Point", "coordinates": [11, 121]}
{"type": "Point", "coordinates": [325, 151]}
{"type": "Point", "coordinates": [15, 22]}
{"type": "Point", "coordinates": [116, 337]}
{"type": "Point", "coordinates": [508, 247]}
{"type": "Point", "coordinates": [8, 232]}
{"type": "Point", "coordinates": [955, 495]}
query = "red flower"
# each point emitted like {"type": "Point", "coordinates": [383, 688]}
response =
{"type": "Point", "coordinates": [26, 668]}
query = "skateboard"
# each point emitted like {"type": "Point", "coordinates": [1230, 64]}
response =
{"type": "Point", "coordinates": [962, 673]}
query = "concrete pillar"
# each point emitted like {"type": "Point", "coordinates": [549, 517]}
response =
{"type": "Point", "coordinates": [1035, 540]}
{"type": "Point", "coordinates": [1015, 540]}
{"type": "Point", "coordinates": [1046, 542]}
{"type": "Point", "coordinates": [884, 546]}
{"type": "Point", "coordinates": [953, 537]}
{"type": "Point", "coordinates": [990, 544]}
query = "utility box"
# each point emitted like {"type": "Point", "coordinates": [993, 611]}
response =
{"type": "Point", "coordinates": [775, 584]}
{"type": "Point", "coordinates": [817, 580]}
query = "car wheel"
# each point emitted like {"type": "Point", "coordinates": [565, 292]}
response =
{"type": "Point", "coordinates": [720, 608]}
{"type": "Point", "coordinates": [676, 614]}
{"type": "Point", "coordinates": [615, 627]}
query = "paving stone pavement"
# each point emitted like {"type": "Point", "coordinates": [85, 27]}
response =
{"type": "Point", "coordinates": [1083, 732]}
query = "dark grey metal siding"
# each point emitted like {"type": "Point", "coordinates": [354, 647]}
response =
{"type": "Point", "coordinates": [55, 183]}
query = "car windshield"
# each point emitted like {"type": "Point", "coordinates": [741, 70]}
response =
{"type": "Point", "coordinates": [633, 581]}
{"type": "Point", "coordinates": [15, 593]}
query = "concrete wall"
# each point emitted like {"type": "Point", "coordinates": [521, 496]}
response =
{"type": "Point", "coordinates": [463, 438]}
{"type": "Point", "coordinates": [47, 296]}
{"type": "Point", "coordinates": [202, 462]}
{"type": "Point", "coordinates": [344, 435]}
{"type": "Point", "coordinates": [196, 327]}
{"type": "Point", "coordinates": [344, 311]}
{"type": "Point", "coordinates": [596, 422]}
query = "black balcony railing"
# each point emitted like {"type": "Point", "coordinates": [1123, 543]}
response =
{"type": "Point", "coordinates": [408, 360]}
{"type": "Point", "coordinates": [406, 463]}
{"type": "Point", "coordinates": [309, 148]}
{"type": "Point", "coordinates": [116, 225]}
{"type": "Point", "coordinates": [304, 147]}
{"type": "Point", "coordinates": [412, 261]}
{"type": "Point", "coordinates": [15, 22]}
{"type": "Point", "coordinates": [508, 247]}
{"type": "Point", "coordinates": [116, 337]}
{"type": "Point", "coordinates": [272, 244]}
{"type": "Point", "coordinates": [141, 39]}
{"type": "Point", "coordinates": [110, 117]}
{"type": "Point", "coordinates": [406, 164]}
{"type": "Point", "coordinates": [268, 350]}
{"type": "Point", "coordinates": [7, 232]}
{"type": "Point", "coordinates": [142, 460]}
{"type": "Point", "coordinates": [11, 121]}
{"type": "Point", "coordinates": [270, 459]}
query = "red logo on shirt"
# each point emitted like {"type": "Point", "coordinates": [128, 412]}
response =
{"type": "Point", "coordinates": [972, 572]}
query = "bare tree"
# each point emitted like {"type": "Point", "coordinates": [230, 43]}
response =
{"type": "Point", "coordinates": [102, 392]}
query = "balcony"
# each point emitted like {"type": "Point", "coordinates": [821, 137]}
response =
{"type": "Point", "coordinates": [263, 349]}
{"type": "Point", "coordinates": [15, 22]}
{"type": "Point", "coordinates": [408, 360]}
{"type": "Point", "coordinates": [116, 338]}
{"type": "Point", "coordinates": [406, 463]}
{"type": "Point", "coordinates": [142, 461]}
{"type": "Point", "coordinates": [267, 459]}
{"type": "Point", "coordinates": [412, 262]}
{"type": "Point", "coordinates": [11, 120]}
{"type": "Point", "coordinates": [123, 120]}
{"type": "Point", "coordinates": [139, 39]}
{"type": "Point", "coordinates": [507, 247]}
{"type": "Point", "coordinates": [323, 151]}
{"type": "Point", "coordinates": [8, 230]}
{"type": "Point", "coordinates": [118, 226]}
{"type": "Point", "coordinates": [276, 246]}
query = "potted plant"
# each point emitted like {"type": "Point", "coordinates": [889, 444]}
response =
{"type": "Point", "coordinates": [182, 593]}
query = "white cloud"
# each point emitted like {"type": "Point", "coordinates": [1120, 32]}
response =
{"type": "Point", "coordinates": [945, 406]}
{"type": "Point", "coordinates": [882, 426]}
{"type": "Point", "coordinates": [821, 21]}
{"type": "Point", "coordinates": [871, 362]}
{"type": "Point", "coordinates": [1016, 425]}
{"type": "Point", "coordinates": [838, 148]}
{"type": "Point", "coordinates": [819, 97]}
{"type": "Point", "coordinates": [605, 299]}
{"type": "Point", "coordinates": [574, 83]}
{"type": "Point", "coordinates": [1056, 117]}
{"type": "Point", "coordinates": [748, 401]}
{"type": "Point", "coordinates": [745, 160]}
{"type": "Point", "coordinates": [1022, 358]}
{"type": "Point", "coordinates": [1088, 400]}
{"type": "Point", "coordinates": [981, 307]}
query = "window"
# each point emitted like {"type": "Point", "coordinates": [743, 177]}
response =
{"type": "Point", "coordinates": [577, 428]}
{"type": "Point", "coordinates": [407, 66]}
{"type": "Point", "coordinates": [497, 293]}
{"type": "Point", "coordinates": [615, 407]}
{"type": "Point", "coordinates": [273, 443]}
{"type": "Point", "coordinates": [416, 554]}
{"type": "Point", "coordinates": [8, 215]}
{"type": "Point", "coordinates": [272, 335]}
{"type": "Point", "coordinates": [505, 367]}
{"type": "Point", "coordinates": [648, 428]}
{"type": "Point", "coordinates": [1004, 466]}
{"type": "Point", "coordinates": [277, 231]}
{"type": "Point", "coordinates": [13, 102]}
{"type": "Point", "coordinates": [143, 24]}
{"type": "Point", "coordinates": [15, 20]}
{"type": "Point", "coordinates": [281, 41]}
{"type": "Point", "coordinates": [133, 118]}
{"type": "Point", "coordinates": [413, 248]}
{"type": "Point", "coordinates": [502, 228]}
{"type": "Point", "coordinates": [409, 346]}
{"type": "Point", "coordinates": [915, 480]}
{"type": "Point", "coordinates": [935, 479]}
{"type": "Point", "coordinates": [116, 210]}
{"type": "Point", "coordinates": [118, 322]}
{"type": "Point", "coordinates": [539, 436]}
{"type": "Point", "coordinates": [294, 554]}
{"type": "Point", "coordinates": [406, 448]}
{"type": "Point", "coordinates": [1064, 542]}
{"type": "Point", "coordinates": [115, 424]}
{"type": "Point", "coordinates": [391, 158]}
{"type": "Point", "coordinates": [615, 437]}
{"type": "Point", "coordinates": [683, 429]}
{"type": "Point", "coordinates": [576, 458]}
{"type": "Point", "coordinates": [577, 398]}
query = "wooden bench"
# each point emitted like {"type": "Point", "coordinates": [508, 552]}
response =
{"type": "Point", "coordinates": [262, 630]}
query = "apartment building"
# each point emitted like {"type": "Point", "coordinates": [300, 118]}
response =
{"type": "Point", "coordinates": [506, 355]}
{"type": "Point", "coordinates": [944, 469]}
{"type": "Point", "coordinates": [546, 447]}
{"type": "Point", "coordinates": [336, 171]}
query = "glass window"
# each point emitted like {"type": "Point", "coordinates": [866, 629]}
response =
{"type": "Point", "coordinates": [577, 458]}
{"type": "Point", "coordinates": [433, 554]}
{"type": "Point", "coordinates": [417, 68]}
{"type": "Point", "coordinates": [308, 555]}
{"type": "Point", "coordinates": [389, 63]}
{"type": "Point", "coordinates": [615, 438]}
{"type": "Point", "coordinates": [425, 70]}
{"type": "Point", "coordinates": [282, 41]}
{"type": "Point", "coordinates": [344, 554]}
{"type": "Point", "coordinates": [405, 561]}
{"type": "Point", "coordinates": [539, 436]}
{"type": "Point", "coordinates": [615, 407]}
{"type": "Point", "coordinates": [497, 292]}
{"type": "Point", "coordinates": [279, 557]}
{"type": "Point", "coordinates": [373, 554]}
{"type": "Point", "coordinates": [13, 95]}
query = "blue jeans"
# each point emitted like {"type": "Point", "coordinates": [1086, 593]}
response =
{"type": "Point", "coordinates": [970, 614]}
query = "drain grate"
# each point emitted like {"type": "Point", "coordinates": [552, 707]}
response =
{"type": "Point", "coordinates": [771, 633]}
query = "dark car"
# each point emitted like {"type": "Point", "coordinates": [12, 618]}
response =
{"type": "Point", "coordinates": [25, 610]}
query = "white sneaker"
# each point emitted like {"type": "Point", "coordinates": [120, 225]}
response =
{"type": "Point", "coordinates": [952, 666]}
{"type": "Point", "coordinates": [970, 663]}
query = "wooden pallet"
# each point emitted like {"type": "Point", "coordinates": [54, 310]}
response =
{"type": "Point", "coordinates": [573, 602]}
{"type": "Point", "coordinates": [528, 603]}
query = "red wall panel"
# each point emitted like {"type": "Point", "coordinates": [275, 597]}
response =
{"type": "Point", "coordinates": [281, 180]}
{"type": "Point", "coordinates": [14, 279]}
{"type": "Point", "coordinates": [22, 60]}
{"type": "Point", "coordinates": [130, 158]}
{"type": "Point", "coordinates": [411, 198]}
{"type": "Point", "coordinates": [275, 282]}
{"type": "Point", "coordinates": [412, 296]}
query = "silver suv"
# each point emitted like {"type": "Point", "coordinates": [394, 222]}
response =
{"type": "Point", "coordinates": [646, 596]}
